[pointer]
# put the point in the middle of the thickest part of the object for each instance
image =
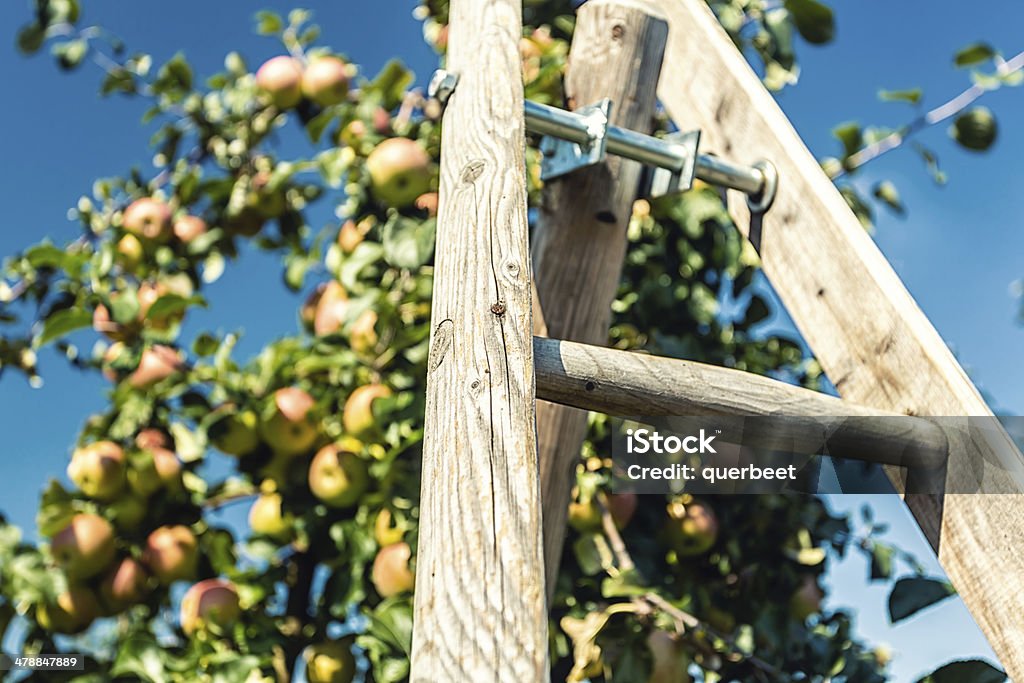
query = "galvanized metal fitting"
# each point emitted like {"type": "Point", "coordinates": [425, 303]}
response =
{"type": "Point", "coordinates": [442, 85]}
{"type": "Point", "coordinates": [762, 201]}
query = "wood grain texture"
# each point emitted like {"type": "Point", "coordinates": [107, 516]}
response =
{"type": "Point", "coordinates": [624, 383]}
{"type": "Point", "coordinates": [480, 610]}
{"type": "Point", "coordinates": [579, 241]}
{"type": "Point", "coordinates": [873, 341]}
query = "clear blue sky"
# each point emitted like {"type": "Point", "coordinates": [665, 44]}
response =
{"type": "Point", "coordinates": [958, 250]}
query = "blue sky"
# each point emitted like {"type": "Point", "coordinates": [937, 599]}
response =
{"type": "Point", "coordinates": [958, 250]}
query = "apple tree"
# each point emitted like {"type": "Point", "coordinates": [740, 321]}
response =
{"type": "Point", "coordinates": [322, 429]}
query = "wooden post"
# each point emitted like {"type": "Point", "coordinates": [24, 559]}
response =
{"type": "Point", "coordinates": [480, 612]}
{"type": "Point", "coordinates": [579, 241]}
{"type": "Point", "coordinates": [874, 343]}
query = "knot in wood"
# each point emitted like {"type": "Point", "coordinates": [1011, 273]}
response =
{"type": "Point", "coordinates": [498, 308]}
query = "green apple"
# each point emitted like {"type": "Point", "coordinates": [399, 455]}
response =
{"type": "Point", "coordinates": [584, 516]}
{"type": "Point", "coordinates": [325, 81]}
{"type": "Point", "coordinates": [806, 599]}
{"type": "Point", "coordinates": [124, 585]}
{"type": "Point", "coordinates": [267, 517]}
{"type": "Point", "coordinates": [98, 469]}
{"type": "Point", "coordinates": [189, 228]}
{"type": "Point", "coordinates": [330, 662]}
{"type": "Point", "coordinates": [149, 219]}
{"type": "Point", "coordinates": [73, 611]}
{"type": "Point", "coordinates": [338, 477]}
{"type": "Point", "coordinates": [280, 79]}
{"type": "Point", "coordinates": [357, 416]}
{"type": "Point", "coordinates": [391, 574]}
{"type": "Point", "coordinates": [236, 432]}
{"type": "Point", "coordinates": [128, 511]}
{"type": "Point", "coordinates": [400, 171]}
{"type": "Point", "coordinates": [172, 553]}
{"type": "Point", "coordinates": [210, 604]}
{"type": "Point", "coordinates": [130, 252]}
{"type": "Point", "coordinates": [692, 528]}
{"type": "Point", "coordinates": [85, 547]}
{"type": "Point", "coordinates": [291, 428]}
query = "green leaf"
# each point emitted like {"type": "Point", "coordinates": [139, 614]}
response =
{"type": "Point", "coordinates": [881, 561]}
{"type": "Point", "coordinates": [141, 657]}
{"type": "Point", "coordinates": [171, 304]}
{"type": "Point", "coordinates": [45, 255]}
{"type": "Point", "coordinates": [850, 135]}
{"type": "Point", "coordinates": [62, 323]}
{"type": "Point", "coordinates": [813, 20]}
{"type": "Point", "coordinates": [912, 594]}
{"type": "Point", "coordinates": [390, 84]}
{"type": "Point", "coordinates": [885, 192]}
{"type": "Point", "coordinates": [973, 670]}
{"type": "Point", "coordinates": [408, 243]}
{"type": "Point", "coordinates": [269, 23]}
{"type": "Point", "coordinates": [975, 53]}
{"type": "Point", "coordinates": [70, 53]}
{"type": "Point", "coordinates": [913, 96]}
{"type": "Point", "coordinates": [975, 129]}
{"type": "Point", "coordinates": [30, 39]}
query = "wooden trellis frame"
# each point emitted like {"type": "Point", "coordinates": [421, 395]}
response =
{"type": "Point", "coordinates": [480, 608]}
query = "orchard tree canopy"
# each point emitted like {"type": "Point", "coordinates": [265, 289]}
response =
{"type": "Point", "coordinates": [323, 427]}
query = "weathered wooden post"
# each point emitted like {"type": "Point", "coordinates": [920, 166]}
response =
{"type": "Point", "coordinates": [874, 343]}
{"type": "Point", "coordinates": [579, 241]}
{"type": "Point", "coordinates": [480, 612]}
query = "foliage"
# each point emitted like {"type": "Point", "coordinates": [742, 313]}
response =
{"type": "Point", "coordinates": [746, 607]}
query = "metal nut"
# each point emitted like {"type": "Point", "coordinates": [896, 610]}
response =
{"type": "Point", "coordinates": [442, 85]}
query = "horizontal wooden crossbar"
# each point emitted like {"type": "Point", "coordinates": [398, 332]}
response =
{"type": "Point", "coordinates": [627, 383]}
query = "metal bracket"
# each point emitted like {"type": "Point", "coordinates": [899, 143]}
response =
{"type": "Point", "coordinates": [663, 181]}
{"type": "Point", "coordinates": [565, 156]}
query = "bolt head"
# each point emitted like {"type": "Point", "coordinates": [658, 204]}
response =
{"type": "Point", "coordinates": [442, 85]}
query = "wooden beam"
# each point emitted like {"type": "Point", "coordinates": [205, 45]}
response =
{"type": "Point", "coordinates": [874, 343]}
{"type": "Point", "coordinates": [480, 611]}
{"type": "Point", "coordinates": [627, 383]}
{"type": "Point", "coordinates": [579, 242]}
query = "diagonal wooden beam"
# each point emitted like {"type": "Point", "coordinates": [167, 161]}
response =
{"type": "Point", "coordinates": [480, 610]}
{"type": "Point", "coordinates": [871, 338]}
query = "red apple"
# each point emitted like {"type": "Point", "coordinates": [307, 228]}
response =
{"type": "Point", "coordinates": [400, 171]}
{"type": "Point", "coordinates": [158, 362]}
{"type": "Point", "coordinates": [212, 603]}
{"type": "Point", "coordinates": [325, 81]}
{"type": "Point", "coordinates": [152, 438]}
{"type": "Point", "coordinates": [188, 228]}
{"type": "Point", "coordinates": [292, 428]}
{"type": "Point", "coordinates": [149, 219]}
{"type": "Point", "coordinates": [172, 553]}
{"type": "Point", "coordinates": [125, 585]}
{"type": "Point", "coordinates": [338, 477]}
{"type": "Point", "coordinates": [85, 547]}
{"type": "Point", "coordinates": [330, 309]}
{"type": "Point", "coordinates": [98, 469]}
{"type": "Point", "coordinates": [357, 416]}
{"type": "Point", "coordinates": [391, 574]}
{"type": "Point", "coordinates": [280, 79]}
